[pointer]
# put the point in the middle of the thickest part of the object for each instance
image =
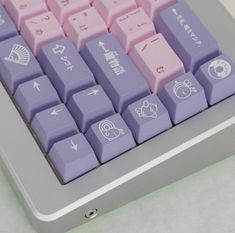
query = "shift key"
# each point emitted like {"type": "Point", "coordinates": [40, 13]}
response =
{"type": "Point", "coordinates": [114, 70]}
{"type": "Point", "coordinates": [183, 30]}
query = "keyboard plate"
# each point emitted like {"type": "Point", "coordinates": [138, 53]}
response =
{"type": "Point", "coordinates": [57, 213]}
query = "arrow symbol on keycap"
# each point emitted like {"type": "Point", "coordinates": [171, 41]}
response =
{"type": "Point", "coordinates": [36, 85]}
{"type": "Point", "coordinates": [56, 112]}
{"type": "Point", "coordinates": [93, 92]}
{"type": "Point", "coordinates": [102, 45]}
{"type": "Point", "coordinates": [74, 146]}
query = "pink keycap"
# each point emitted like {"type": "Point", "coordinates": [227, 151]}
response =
{"type": "Point", "coordinates": [62, 9]}
{"type": "Point", "coordinates": [84, 26]}
{"type": "Point", "coordinates": [132, 28]}
{"type": "Point", "coordinates": [2, 2]}
{"type": "Point", "coordinates": [157, 61]}
{"type": "Point", "coordinates": [41, 30]}
{"type": "Point", "coordinates": [154, 7]}
{"type": "Point", "coordinates": [20, 10]}
{"type": "Point", "coordinates": [111, 9]}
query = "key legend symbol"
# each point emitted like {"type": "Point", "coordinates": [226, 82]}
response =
{"type": "Point", "coordinates": [74, 146]}
{"type": "Point", "coordinates": [147, 110]}
{"type": "Point", "coordinates": [183, 90]}
{"type": "Point", "coordinates": [219, 69]}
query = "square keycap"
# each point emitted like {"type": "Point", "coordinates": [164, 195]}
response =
{"type": "Point", "coordinates": [132, 28]}
{"type": "Point", "coordinates": [84, 26]}
{"type": "Point", "coordinates": [110, 138]}
{"type": "Point", "coordinates": [147, 118]}
{"type": "Point", "coordinates": [35, 96]}
{"type": "Point", "coordinates": [90, 106]}
{"type": "Point", "coordinates": [7, 27]}
{"type": "Point", "coordinates": [52, 125]}
{"type": "Point", "coordinates": [65, 68]}
{"type": "Point", "coordinates": [40, 30]}
{"type": "Point", "coordinates": [218, 78]}
{"type": "Point", "coordinates": [157, 61]}
{"type": "Point", "coordinates": [20, 10]}
{"type": "Point", "coordinates": [183, 98]}
{"type": "Point", "coordinates": [17, 63]}
{"type": "Point", "coordinates": [72, 157]}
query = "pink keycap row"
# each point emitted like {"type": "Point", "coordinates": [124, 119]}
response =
{"type": "Point", "coordinates": [42, 21]}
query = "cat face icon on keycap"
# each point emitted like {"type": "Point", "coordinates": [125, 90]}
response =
{"type": "Point", "coordinates": [147, 110]}
{"type": "Point", "coordinates": [219, 69]}
{"type": "Point", "coordinates": [183, 90]}
{"type": "Point", "coordinates": [109, 130]}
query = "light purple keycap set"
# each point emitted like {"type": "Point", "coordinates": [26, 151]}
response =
{"type": "Point", "coordinates": [86, 108]}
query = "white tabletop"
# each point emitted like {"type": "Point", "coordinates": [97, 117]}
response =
{"type": "Point", "coordinates": [201, 203]}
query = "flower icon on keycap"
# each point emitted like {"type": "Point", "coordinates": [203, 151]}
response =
{"type": "Point", "coordinates": [219, 69]}
{"type": "Point", "coordinates": [183, 90]}
{"type": "Point", "coordinates": [147, 110]}
{"type": "Point", "coordinates": [109, 130]}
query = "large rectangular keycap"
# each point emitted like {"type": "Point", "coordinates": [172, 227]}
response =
{"type": "Point", "coordinates": [114, 70]}
{"type": "Point", "coordinates": [187, 35]}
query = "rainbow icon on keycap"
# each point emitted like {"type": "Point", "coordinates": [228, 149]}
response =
{"type": "Point", "coordinates": [19, 55]}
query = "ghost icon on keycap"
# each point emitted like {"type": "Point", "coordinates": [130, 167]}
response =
{"type": "Point", "coordinates": [183, 90]}
{"type": "Point", "coordinates": [147, 110]}
{"type": "Point", "coordinates": [109, 130]}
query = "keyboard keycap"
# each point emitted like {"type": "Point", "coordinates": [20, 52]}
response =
{"type": "Point", "coordinates": [72, 157]}
{"type": "Point", "coordinates": [183, 97]}
{"type": "Point", "coordinates": [62, 9]}
{"type": "Point", "coordinates": [40, 30]}
{"type": "Point", "coordinates": [2, 2]}
{"type": "Point", "coordinates": [84, 26]}
{"type": "Point", "coordinates": [110, 10]}
{"type": "Point", "coordinates": [35, 96]}
{"type": "Point", "coordinates": [65, 68]}
{"type": "Point", "coordinates": [157, 61]}
{"type": "Point", "coordinates": [218, 78]}
{"type": "Point", "coordinates": [147, 118]}
{"type": "Point", "coordinates": [20, 10]}
{"type": "Point", "coordinates": [114, 71]}
{"type": "Point", "coordinates": [17, 63]}
{"type": "Point", "coordinates": [110, 138]}
{"type": "Point", "coordinates": [7, 27]}
{"type": "Point", "coordinates": [53, 125]}
{"type": "Point", "coordinates": [132, 28]}
{"type": "Point", "coordinates": [187, 35]}
{"type": "Point", "coordinates": [90, 106]}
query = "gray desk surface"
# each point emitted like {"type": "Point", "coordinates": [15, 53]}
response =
{"type": "Point", "coordinates": [201, 203]}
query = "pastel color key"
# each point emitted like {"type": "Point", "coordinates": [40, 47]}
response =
{"type": "Point", "coordinates": [110, 138]}
{"type": "Point", "coordinates": [111, 9]}
{"type": "Point", "coordinates": [183, 98]}
{"type": "Point", "coordinates": [115, 71]}
{"type": "Point", "coordinates": [147, 118]}
{"type": "Point", "coordinates": [35, 96]}
{"type": "Point", "coordinates": [154, 7]}
{"type": "Point", "coordinates": [7, 27]}
{"type": "Point", "coordinates": [52, 125]}
{"type": "Point", "coordinates": [218, 78]}
{"type": "Point", "coordinates": [132, 28]}
{"type": "Point", "coordinates": [187, 35]}
{"type": "Point", "coordinates": [17, 63]}
{"type": "Point", "coordinates": [65, 68]}
{"type": "Point", "coordinates": [40, 30]}
{"type": "Point", "coordinates": [90, 106]}
{"type": "Point", "coordinates": [72, 157]}
{"type": "Point", "coordinates": [62, 9]}
{"type": "Point", "coordinates": [2, 2]}
{"type": "Point", "coordinates": [20, 10]}
{"type": "Point", "coordinates": [157, 61]}
{"type": "Point", "coordinates": [84, 26]}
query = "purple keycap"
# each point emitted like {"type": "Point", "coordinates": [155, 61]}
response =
{"type": "Point", "coordinates": [183, 98]}
{"type": "Point", "coordinates": [52, 125]}
{"type": "Point", "coordinates": [218, 78]}
{"type": "Point", "coordinates": [147, 118]}
{"type": "Point", "coordinates": [7, 27]}
{"type": "Point", "coordinates": [90, 106]}
{"type": "Point", "coordinates": [110, 138]}
{"type": "Point", "coordinates": [65, 68]}
{"type": "Point", "coordinates": [17, 63]}
{"type": "Point", "coordinates": [114, 70]}
{"type": "Point", "coordinates": [35, 96]}
{"type": "Point", "coordinates": [187, 35]}
{"type": "Point", "coordinates": [72, 157]}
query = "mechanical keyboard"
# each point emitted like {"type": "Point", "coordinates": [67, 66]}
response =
{"type": "Point", "coordinates": [104, 101]}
